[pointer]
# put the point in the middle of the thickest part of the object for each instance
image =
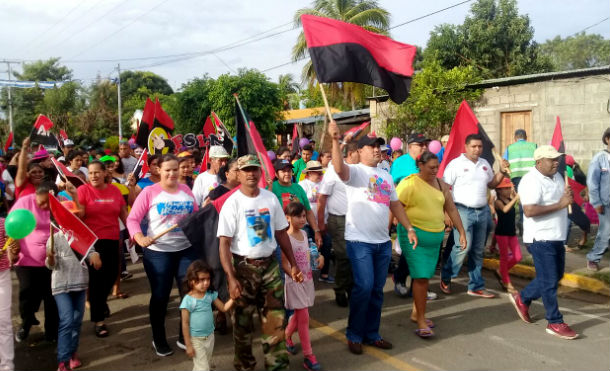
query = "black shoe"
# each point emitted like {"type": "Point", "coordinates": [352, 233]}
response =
{"type": "Point", "coordinates": [341, 299]}
{"type": "Point", "coordinates": [22, 334]}
{"type": "Point", "coordinates": [162, 350]}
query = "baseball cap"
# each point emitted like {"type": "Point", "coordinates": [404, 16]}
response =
{"type": "Point", "coordinates": [246, 161]}
{"type": "Point", "coordinates": [219, 152]}
{"type": "Point", "coordinates": [505, 183]}
{"type": "Point", "coordinates": [546, 151]}
{"type": "Point", "coordinates": [366, 140]}
{"type": "Point", "coordinates": [313, 166]}
{"type": "Point", "coordinates": [108, 158]}
{"type": "Point", "coordinates": [417, 138]}
{"type": "Point", "coordinates": [384, 148]}
{"type": "Point", "coordinates": [282, 164]}
{"type": "Point", "coordinates": [69, 143]}
{"type": "Point", "coordinates": [40, 155]}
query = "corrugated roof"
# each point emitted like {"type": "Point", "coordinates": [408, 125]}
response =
{"type": "Point", "coordinates": [336, 116]}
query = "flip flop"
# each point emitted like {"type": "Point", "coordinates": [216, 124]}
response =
{"type": "Point", "coordinates": [424, 333]}
{"type": "Point", "coordinates": [121, 295]}
{"type": "Point", "coordinates": [428, 322]}
{"type": "Point", "coordinates": [101, 331]}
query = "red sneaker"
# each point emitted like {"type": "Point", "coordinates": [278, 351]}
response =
{"type": "Point", "coordinates": [75, 362]}
{"type": "Point", "coordinates": [63, 367]}
{"type": "Point", "coordinates": [561, 330]}
{"type": "Point", "coordinates": [481, 294]}
{"type": "Point", "coordinates": [522, 309]}
{"type": "Point", "coordinates": [445, 288]}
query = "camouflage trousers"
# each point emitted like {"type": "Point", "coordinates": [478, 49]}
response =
{"type": "Point", "coordinates": [262, 292]}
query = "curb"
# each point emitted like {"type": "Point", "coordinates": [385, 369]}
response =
{"type": "Point", "coordinates": [569, 279]}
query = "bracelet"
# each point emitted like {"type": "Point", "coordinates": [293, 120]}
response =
{"type": "Point", "coordinates": [411, 229]}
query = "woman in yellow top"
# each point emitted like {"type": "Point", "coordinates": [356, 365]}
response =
{"type": "Point", "coordinates": [426, 200]}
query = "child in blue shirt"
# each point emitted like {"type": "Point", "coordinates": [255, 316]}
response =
{"type": "Point", "coordinates": [197, 317]}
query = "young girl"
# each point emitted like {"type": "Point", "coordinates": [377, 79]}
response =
{"type": "Point", "coordinates": [69, 282]}
{"type": "Point", "coordinates": [197, 318]}
{"type": "Point", "coordinates": [506, 236]}
{"type": "Point", "coordinates": [299, 296]}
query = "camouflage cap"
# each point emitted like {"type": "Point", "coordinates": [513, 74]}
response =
{"type": "Point", "coordinates": [247, 161]}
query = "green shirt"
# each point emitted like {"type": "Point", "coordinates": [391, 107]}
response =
{"type": "Point", "coordinates": [293, 192]}
{"type": "Point", "coordinates": [298, 166]}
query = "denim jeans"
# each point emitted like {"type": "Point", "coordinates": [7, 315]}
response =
{"type": "Point", "coordinates": [162, 268]}
{"type": "Point", "coordinates": [71, 307]}
{"type": "Point", "coordinates": [549, 261]}
{"type": "Point", "coordinates": [475, 222]}
{"type": "Point", "coordinates": [603, 235]}
{"type": "Point", "coordinates": [370, 263]}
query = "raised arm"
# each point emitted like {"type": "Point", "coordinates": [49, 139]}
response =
{"type": "Point", "coordinates": [337, 157]}
{"type": "Point", "coordinates": [22, 164]}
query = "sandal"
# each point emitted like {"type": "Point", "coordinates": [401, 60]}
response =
{"type": "Point", "coordinates": [101, 331]}
{"type": "Point", "coordinates": [428, 322]}
{"type": "Point", "coordinates": [424, 333]}
{"type": "Point", "coordinates": [121, 295]}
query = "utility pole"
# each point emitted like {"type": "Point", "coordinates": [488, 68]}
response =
{"type": "Point", "coordinates": [10, 99]}
{"type": "Point", "coordinates": [119, 93]}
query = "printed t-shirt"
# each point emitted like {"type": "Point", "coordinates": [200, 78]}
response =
{"type": "Point", "coordinates": [33, 246]}
{"type": "Point", "coordinates": [251, 222]}
{"type": "Point", "coordinates": [145, 182]}
{"type": "Point", "coordinates": [162, 210]}
{"type": "Point", "coordinates": [201, 322]}
{"type": "Point", "coordinates": [423, 203]}
{"type": "Point", "coordinates": [102, 209]}
{"type": "Point", "coordinates": [204, 183]}
{"type": "Point", "coordinates": [293, 192]}
{"type": "Point", "coordinates": [369, 191]}
{"type": "Point", "coordinates": [311, 191]}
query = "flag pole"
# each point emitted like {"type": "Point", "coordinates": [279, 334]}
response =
{"type": "Point", "coordinates": [565, 179]}
{"type": "Point", "coordinates": [328, 113]}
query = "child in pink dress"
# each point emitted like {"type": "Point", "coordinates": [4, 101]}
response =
{"type": "Point", "coordinates": [299, 296]}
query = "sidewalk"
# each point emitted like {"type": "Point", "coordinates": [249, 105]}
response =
{"type": "Point", "coordinates": [576, 274]}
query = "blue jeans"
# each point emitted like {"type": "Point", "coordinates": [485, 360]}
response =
{"type": "Point", "coordinates": [162, 268]}
{"type": "Point", "coordinates": [475, 223]}
{"type": "Point", "coordinates": [370, 263]}
{"type": "Point", "coordinates": [549, 261]}
{"type": "Point", "coordinates": [603, 235]}
{"type": "Point", "coordinates": [71, 307]}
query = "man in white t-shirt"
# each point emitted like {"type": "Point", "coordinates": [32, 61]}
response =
{"type": "Point", "coordinates": [332, 200]}
{"type": "Point", "coordinates": [129, 162]}
{"type": "Point", "coordinates": [470, 176]}
{"type": "Point", "coordinates": [545, 197]}
{"type": "Point", "coordinates": [250, 226]}
{"type": "Point", "coordinates": [371, 196]}
{"type": "Point", "coordinates": [208, 180]}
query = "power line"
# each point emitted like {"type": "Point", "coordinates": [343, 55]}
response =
{"type": "Point", "coordinates": [591, 26]}
{"type": "Point", "coordinates": [428, 15]}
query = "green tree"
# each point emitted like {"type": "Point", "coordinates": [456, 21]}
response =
{"type": "Point", "coordinates": [364, 13]}
{"type": "Point", "coordinates": [287, 87]}
{"type": "Point", "coordinates": [100, 119]}
{"type": "Point", "coordinates": [577, 51]}
{"type": "Point", "coordinates": [259, 97]}
{"type": "Point", "coordinates": [193, 105]}
{"type": "Point", "coordinates": [136, 86]}
{"type": "Point", "coordinates": [494, 38]}
{"type": "Point", "coordinates": [435, 96]}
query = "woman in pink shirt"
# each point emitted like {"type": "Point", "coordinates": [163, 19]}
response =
{"type": "Point", "coordinates": [34, 277]}
{"type": "Point", "coordinates": [100, 207]}
{"type": "Point", "coordinates": [166, 259]}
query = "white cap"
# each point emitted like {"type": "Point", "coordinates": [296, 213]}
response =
{"type": "Point", "coordinates": [218, 152]}
{"type": "Point", "coordinates": [68, 142]}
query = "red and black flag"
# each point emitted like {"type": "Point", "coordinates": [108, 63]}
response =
{"type": "Point", "coordinates": [146, 124]}
{"type": "Point", "coordinates": [208, 127]}
{"type": "Point", "coordinates": [465, 123]}
{"type": "Point", "coordinates": [223, 136]}
{"type": "Point", "coordinates": [66, 174]}
{"type": "Point", "coordinates": [41, 133]}
{"type": "Point", "coordinates": [557, 142]}
{"type": "Point", "coordinates": [343, 51]}
{"type": "Point", "coordinates": [162, 119]}
{"type": "Point", "coordinates": [80, 238]}
{"type": "Point", "coordinates": [249, 142]}
{"type": "Point", "coordinates": [9, 142]}
{"type": "Point", "coordinates": [141, 168]}
{"type": "Point", "coordinates": [355, 131]}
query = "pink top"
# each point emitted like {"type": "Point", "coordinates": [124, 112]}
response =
{"type": "Point", "coordinates": [163, 209]}
{"type": "Point", "coordinates": [102, 209]}
{"type": "Point", "coordinates": [33, 247]}
{"type": "Point", "coordinates": [300, 295]}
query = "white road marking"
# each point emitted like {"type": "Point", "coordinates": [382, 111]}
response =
{"type": "Point", "coordinates": [518, 348]}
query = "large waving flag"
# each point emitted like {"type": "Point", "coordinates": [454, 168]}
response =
{"type": "Point", "coordinates": [80, 238]}
{"type": "Point", "coordinates": [146, 124]}
{"type": "Point", "coordinates": [465, 123]}
{"type": "Point", "coordinates": [343, 51]}
{"type": "Point", "coordinates": [249, 142]}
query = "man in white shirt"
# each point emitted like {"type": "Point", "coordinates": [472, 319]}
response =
{"type": "Point", "coordinates": [470, 176]}
{"type": "Point", "coordinates": [371, 195]}
{"type": "Point", "coordinates": [129, 162]}
{"type": "Point", "coordinates": [250, 225]}
{"type": "Point", "coordinates": [333, 200]}
{"type": "Point", "coordinates": [545, 198]}
{"type": "Point", "coordinates": [208, 180]}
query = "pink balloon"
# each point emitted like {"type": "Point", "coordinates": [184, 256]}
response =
{"type": "Point", "coordinates": [271, 155]}
{"type": "Point", "coordinates": [395, 144]}
{"type": "Point", "coordinates": [435, 146]}
{"type": "Point", "coordinates": [303, 142]}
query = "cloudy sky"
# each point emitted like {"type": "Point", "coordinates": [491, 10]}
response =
{"type": "Point", "coordinates": [184, 39]}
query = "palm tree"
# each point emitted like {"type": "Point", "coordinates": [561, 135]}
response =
{"type": "Point", "coordinates": [364, 13]}
{"type": "Point", "coordinates": [287, 86]}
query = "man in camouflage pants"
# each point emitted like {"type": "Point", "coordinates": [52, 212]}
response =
{"type": "Point", "coordinates": [251, 224]}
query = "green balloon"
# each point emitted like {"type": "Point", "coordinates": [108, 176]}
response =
{"type": "Point", "coordinates": [19, 223]}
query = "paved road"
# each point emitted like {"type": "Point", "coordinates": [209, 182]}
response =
{"type": "Point", "coordinates": [471, 334]}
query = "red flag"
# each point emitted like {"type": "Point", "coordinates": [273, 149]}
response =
{"type": "Point", "coordinates": [576, 189]}
{"type": "Point", "coordinates": [357, 130]}
{"type": "Point", "coordinates": [146, 124]}
{"type": "Point", "coordinates": [208, 127]}
{"type": "Point", "coordinates": [295, 140]}
{"type": "Point", "coordinates": [43, 124]}
{"type": "Point", "coordinates": [249, 142]}
{"type": "Point", "coordinates": [9, 142]}
{"type": "Point", "coordinates": [201, 140]}
{"type": "Point", "coordinates": [206, 161]}
{"type": "Point", "coordinates": [66, 174]}
{"type": "Point", "coordinates": [63, 134]}
{"type": "Point", "coordinates": [558, 143]}
{"type": "Point", "coordinates": [79, 236]}
{"type": "Point", "coordinates": [141, 168]}
{"type": "Point", "coordinates": [465, 123]}
{"type": "Point", "coordinates": [41, 133]}
{"type": "Point", "coordinates": [162, 118]}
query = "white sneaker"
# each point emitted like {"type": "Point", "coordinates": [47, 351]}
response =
{"type": "Point", "coordinates": [431, 295]}
{"type": "Point", "coordinates": [401, 289]}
